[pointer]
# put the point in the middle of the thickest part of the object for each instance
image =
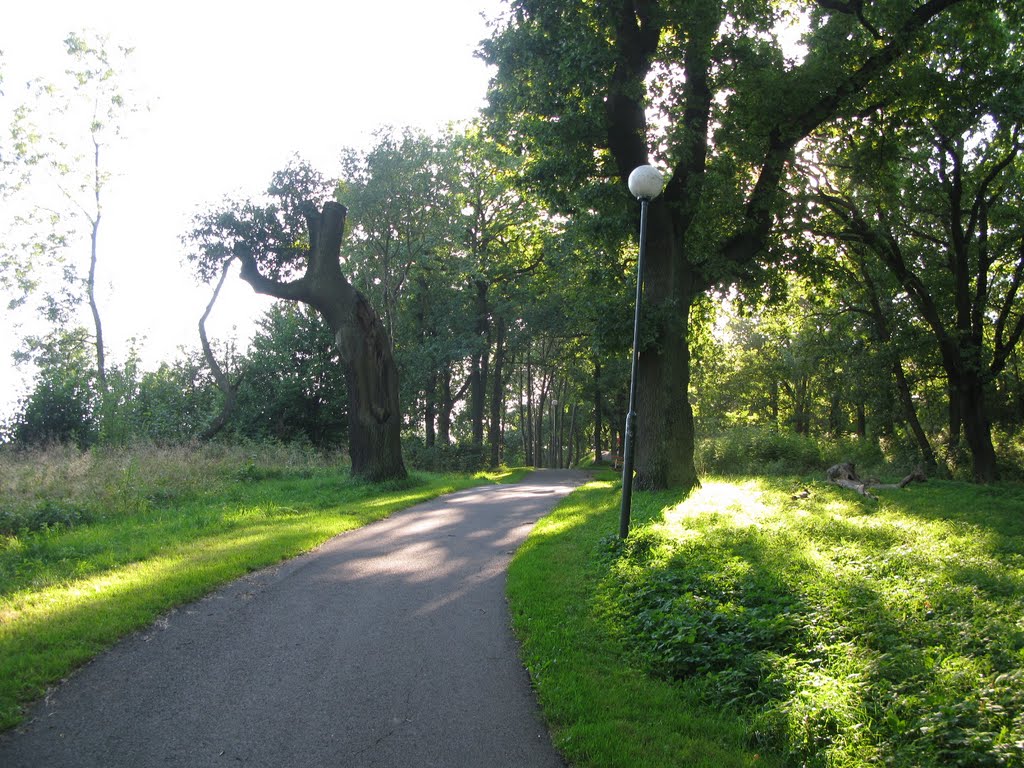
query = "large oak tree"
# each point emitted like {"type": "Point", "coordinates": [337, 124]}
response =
{"type": "Point", "coordinates": [289, 247]}
{"type": "Point", "coordinates": [706, 90]}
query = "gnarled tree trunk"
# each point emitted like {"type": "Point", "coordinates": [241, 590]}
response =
{"type": "Point", "coordinates": [370, 372]}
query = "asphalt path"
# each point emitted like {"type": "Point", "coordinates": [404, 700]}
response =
{"type": "Point", "coordinates": [389, 646]}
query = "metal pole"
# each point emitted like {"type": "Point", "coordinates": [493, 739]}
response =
{"type": "Point", "coordinates": [627, 454]}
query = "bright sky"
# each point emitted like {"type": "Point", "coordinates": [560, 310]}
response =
{"type": "Point", "coordinates": [234, 89]}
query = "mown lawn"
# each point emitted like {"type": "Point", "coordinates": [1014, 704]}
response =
{"type": "Point", "coordinates": [95, 547]}
{"type": "Point", "coordinates": [741, 626]}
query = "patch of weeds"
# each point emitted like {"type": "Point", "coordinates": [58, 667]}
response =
{"type": "Point", "coordinates": [250, 473]}
{"type": "Point", "coordinates": [44, 515]}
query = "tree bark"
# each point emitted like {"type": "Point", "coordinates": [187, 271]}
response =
{"type": "Point", "coordinates": [370, 373]}
{"type": "Point", "coordinates": [977, 428]}
{"type": "Point", "coordinates": [101, 363]}
{"type": "Point", "coordinates": [884, 334]}
{"type": "Point", "coordinates": [531, 455]}
{"type": "Point", "coordinates": [497, 405]}
{"type": "Point", "coordinates": [478, 364]}
{"type": "Point", "coordinates": [430, 411]}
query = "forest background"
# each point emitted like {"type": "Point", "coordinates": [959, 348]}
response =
{"type": "Point", "coordinates": [865, 307]}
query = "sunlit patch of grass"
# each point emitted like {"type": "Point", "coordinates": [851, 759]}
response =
{"type": "Point", "coordinates": [825, 631]}
{"type": "Point", "coordinates": [67, 591]}
{"type": "Point", "coordinates": [808, 616]}
{"type": "Point", "coordinates": [603, 711]}
{"type": "Point", "coordinates": [504, 475]}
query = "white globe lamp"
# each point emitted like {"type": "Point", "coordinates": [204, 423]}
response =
{"type": "Point", "coordinates": [645, 182]}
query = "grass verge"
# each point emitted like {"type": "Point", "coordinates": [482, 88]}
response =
{"type": "Point", "coordinates": [603, 709]}
{"type": "Point", "coordinates": [741, 626]}
{"type": "Point", "coordinates": [99, 564]}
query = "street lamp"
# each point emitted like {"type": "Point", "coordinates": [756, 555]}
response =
{"type": "Point", "coordinates": [645, 184]}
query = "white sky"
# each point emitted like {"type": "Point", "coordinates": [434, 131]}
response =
{"type": "Point", "coordinates": [234, 89]}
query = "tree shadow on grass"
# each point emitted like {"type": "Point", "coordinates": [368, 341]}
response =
{"type": "Point", "coordinates": [835, 629]}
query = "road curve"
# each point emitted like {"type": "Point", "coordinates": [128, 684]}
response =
{"type": "Point", "coordinates": [387, 647]}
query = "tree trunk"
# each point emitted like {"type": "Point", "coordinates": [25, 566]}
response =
{"type": "Point", "coordinates": [1018, 401]}
{"type": "Point", "coordinates": [524, 423]}
{"type": "Point", "coordinates": [430, 410]}
{"type": "Point", "coordinates": [835, 415]}
{"type": "Point", "coordinates": [497, 397]}
{"type": "Point", "coordinates": [478, 364]}
{"type": "Point", "coordinates": [977, 429]}
{"type": "Point", "coordinates": [224, 384]}
{"type": "Point", "coordinates": [664, 442]}
{"type": "Point", "coordinates": [447, 405]}
{"type": "Point", "coordinates": [598, 412]}
{"type": "Point", "coordinates": [531, 442]}
{"type": "Point", "coordinates": [101, 364]}
{"type": "Point", "coordinates": [574, 450]}
{"type": "Point", "coordinates": [371, 376]}
{"type": "Point", "coordinates": [538, 451]}
{"type": "Point", "coordinates": [444, 411]}
{"type": "Point", "coordinates": [955, 418]}
{"type": "Point", "coordinates": [899, 376]}
{"type": "Point", "coordinates": [910, 414]}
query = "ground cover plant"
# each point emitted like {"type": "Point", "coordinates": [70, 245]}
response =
{"type": "Point", "coordinates": [742, 626]}
{"type": "Point", "coordinates": [96, 544]}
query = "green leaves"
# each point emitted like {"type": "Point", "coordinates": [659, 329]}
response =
{"type": "Point", "coordinates": [273, 228]}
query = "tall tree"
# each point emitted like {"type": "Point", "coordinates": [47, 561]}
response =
{"type": "Point", "coordinates": [60, 143]}
{"type": "Point", "coordinates": [577, 81]}
{"type": "Point", "coordinates": [400, 209]}
{"type": "Point", "coordinates": [957, 248]}
{"type": "Point", "coordinates": [500, 235]}
{"type": "Point", "coordinates": [289, 247]}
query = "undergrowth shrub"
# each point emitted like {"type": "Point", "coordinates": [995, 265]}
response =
{"type": "Point", "coordinates": [751, 450]}
{"type": "Point", "coordinates": [443, 458]}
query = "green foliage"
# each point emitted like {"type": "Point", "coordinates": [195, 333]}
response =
{"type": "Point", "coordinates": [765, 450]}
{"type": "Point", "coordinates": [459, 457]}
{"type": "Point", "coordinates": [292, 381]}
{"type": "Point", "coordinates": [174, 403]}
{"type": "Point", "coordinates": [272, 230]}
{"type": "Point", "coordinates": [62, 404]}
{"type": "Point", "coordinates": [44, 515]}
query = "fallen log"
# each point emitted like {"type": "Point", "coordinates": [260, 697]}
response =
{"type": "Point", "coordinates": [845, 476]}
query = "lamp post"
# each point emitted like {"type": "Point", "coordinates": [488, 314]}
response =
{"type": "Point", "coordinates": [645, 184]}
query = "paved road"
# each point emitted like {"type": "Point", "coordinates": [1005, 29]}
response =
{"type": "Point", "coordinates": [387, 647]}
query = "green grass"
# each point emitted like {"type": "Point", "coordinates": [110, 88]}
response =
{"type": "Point", "coordinates": [740, 626]}
{"type": "Point", "coordinates": [124, 539]}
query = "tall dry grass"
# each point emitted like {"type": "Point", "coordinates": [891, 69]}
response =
{"type": "Point", "coordinates": [66, 485]}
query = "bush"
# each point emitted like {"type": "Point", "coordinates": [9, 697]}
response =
{"type": "Point", "coordinates": [758, 450]}
{"type": "Point", "coordinates": [767, 451]}
{"type": "Point", "coordinates": [443, 458]}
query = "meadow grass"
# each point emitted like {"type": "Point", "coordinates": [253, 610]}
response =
{"type": "Point", "coordinates": [740, 626]}
{"type": "Point", "coordinates": [98, 544]}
